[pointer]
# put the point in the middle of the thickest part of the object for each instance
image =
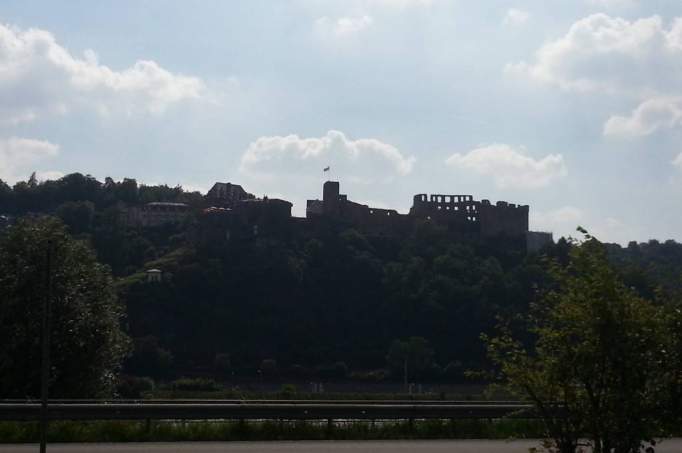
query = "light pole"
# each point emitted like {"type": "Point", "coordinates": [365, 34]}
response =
{"type": "Point", "coordinates": [45, 375]}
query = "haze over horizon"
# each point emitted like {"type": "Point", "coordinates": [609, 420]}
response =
{"type": "Point", "coordinates": [574, 108]}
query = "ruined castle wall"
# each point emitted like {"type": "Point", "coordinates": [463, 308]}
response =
{"type": "Point", "coordinates": [503, 219]}
{"type": "Point", "coordinates": [458, 212]}
{"type": "Point", "coordinates": [265, 211]}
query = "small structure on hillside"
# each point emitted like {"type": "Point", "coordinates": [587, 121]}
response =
{"type": "Point", "coordinates": [156, 213]}
{"type": "Point", "coordinates": [154, 275]}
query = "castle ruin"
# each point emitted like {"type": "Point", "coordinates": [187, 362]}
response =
{"type": "Point", "coordinates": [459, 213]}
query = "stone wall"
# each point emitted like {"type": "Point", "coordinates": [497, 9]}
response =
{"type": "Point", "coordinates": [155, 214]}
{"type": "Point", "coordinates": [503, 219]}
{"type": "Point", "coordinates": [459, 213]}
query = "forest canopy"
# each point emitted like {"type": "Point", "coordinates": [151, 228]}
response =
{"type": "Point", "coordinates": [309, 300]}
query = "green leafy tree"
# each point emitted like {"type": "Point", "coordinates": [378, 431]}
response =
{"type": "Point", "coordinates": [410, 358]}
{"type": "Point", "coordinates": [596, 363]}
{"type": "Point", "coordinates": [127, 191]}
{"type": "Point", "coordinates": [149, 358]}
{"type": "Point", "coordinates": [222, 363]}
{"type": "Point", "coordinates": [6, 198]}
{"type": "Point", "coordinates": [87, 342]}
{"type": "Point", "coordinates": [268, 367]}
{"type": "Point", "coordinates": [77, 215]}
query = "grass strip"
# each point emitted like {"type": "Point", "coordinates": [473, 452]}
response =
{"type": "Point", "coordinates": [169, 431]}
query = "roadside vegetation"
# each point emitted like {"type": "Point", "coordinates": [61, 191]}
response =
{"type": "Point", "coordinates": [589, 333]}
{"type": "Point", "coordinates": [600, 363]}
{"type": "Point", "coordinates": [135, 431]}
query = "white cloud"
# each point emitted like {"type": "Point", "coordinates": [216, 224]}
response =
{"type": "Point", "coordinates": [37, 76]}
{"type": "Point", "coordinates": [677, 162]}
{"type": "Point", "coordinates": [510, 167]}
{"type": "Point", "coordinates": [610, 54]}
{"type": "Point", "coordinates": [364, 159]}
{"type": "Point", "coordinates": [612, 4]}
{"type": "Point", "coordinates": [401, 4]}
{"type": "Point", "coordinates": [640, 59]}
{"type": "Point", "coordinates": [516, 17]}
{"type": "Point", "coordinates": [343, 26]}
{"type": "Point", "coordinates": [19, 155]}
{"type": "Point", "coordinates": [649, 117]}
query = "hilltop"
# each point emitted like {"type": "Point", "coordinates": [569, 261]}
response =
{"type": "Point", "coordinates": [227, 284]}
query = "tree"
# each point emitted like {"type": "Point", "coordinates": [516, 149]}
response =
{"type": "Point", "coordinates": [596, 362]}
{"type": "Point", "coordinates": [149, 358]}
{"type": "Point", "coordinates": [87, 342]}
{"type": "Point", "coordinates": [268, 367]}
{"type": "Point", "coordinates": [127, 191]}
{"type": "Point", "coordinates": [6, 198]}
{"type": "Point", "coordinates": [77, 215]}
{"type": "Point", "coordinates": [410, 358]}
{"type": "Point", "coordinates": [77, 187]}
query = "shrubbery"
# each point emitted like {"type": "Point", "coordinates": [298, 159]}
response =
{"type": "Point", "coordinates": [134, 387]}
{"type": "Point", "coordinates": [195, 384]}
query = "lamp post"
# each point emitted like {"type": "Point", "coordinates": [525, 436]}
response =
{"type": "Point", "coordinates": [45, 375]}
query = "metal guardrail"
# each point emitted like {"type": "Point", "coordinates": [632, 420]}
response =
{"type": "Point", "coordinates": [265, 410]}
{"type": "Point", "coordinates": [260, 401]}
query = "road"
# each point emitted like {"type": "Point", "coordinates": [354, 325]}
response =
{"type": "Point", "coordinates": [435, 446]}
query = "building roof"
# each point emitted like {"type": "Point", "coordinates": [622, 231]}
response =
{"type": "Point", "coordinates": [225, 185]}
{"type": "Point", "coordinates": [164, 203]}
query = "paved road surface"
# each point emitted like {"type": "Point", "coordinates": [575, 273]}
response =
{"type": "Point", "coordinates": [436, 446]}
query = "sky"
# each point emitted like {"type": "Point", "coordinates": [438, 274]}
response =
{"type": "Point", "coordinates": [573, 107]}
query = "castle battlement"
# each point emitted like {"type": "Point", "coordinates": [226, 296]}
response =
{"type": "Point", "coordinates": [460, 213]}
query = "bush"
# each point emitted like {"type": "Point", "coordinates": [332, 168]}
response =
{"type": "Point", "coordinates": [149, 358]}
{"type": "Point", "coordinates": [454, 371]}
{"type": "Point", "coordinates": [195, 384]}
{"type": "Point", "coordinates": [222, 362]}
{"type": "Point", "coordinates": [269, 367]}
{"type": "Point", "coordinates": [300, 371]}
{"type": "Point", "coordinates": [288, 390]}
{"type": "Point", "coordinates": [339, 370]}
{"type": "Point", "coordinates": [369, 376]}
{"type": "Point", "coordinates": [134, 387]}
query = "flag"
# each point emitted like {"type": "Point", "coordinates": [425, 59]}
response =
{"type": "Point", "coordinates": [325, 169]}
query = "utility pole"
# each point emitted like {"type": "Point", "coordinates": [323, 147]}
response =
{"type": "Point", "coordinates": [45, 375]}
{"type": "Point", "coordinates": [405, 373]}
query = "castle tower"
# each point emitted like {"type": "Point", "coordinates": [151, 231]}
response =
{"type": "Point", "coordinates": [330, 196]}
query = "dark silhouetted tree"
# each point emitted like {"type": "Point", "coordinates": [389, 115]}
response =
{"type": "Point", "coordinates": [597, 365]}
{"type": "Point", "coordinates": [87, 342]}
